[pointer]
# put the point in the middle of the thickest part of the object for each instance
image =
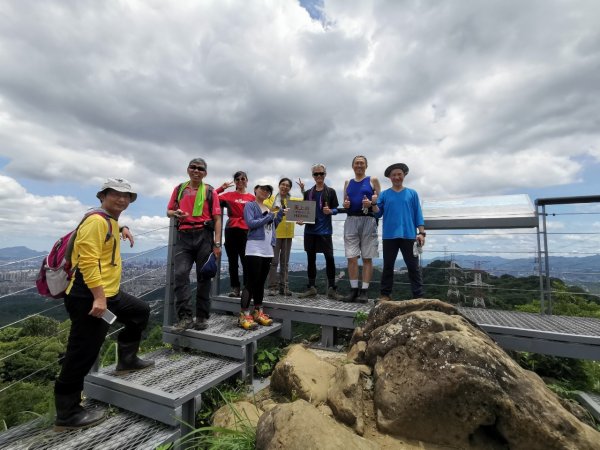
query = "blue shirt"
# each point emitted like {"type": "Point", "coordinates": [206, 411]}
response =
{"type": "Point", "coordinates": [355, 191]}
{"type": "Point", "coordinates": [401, 213]}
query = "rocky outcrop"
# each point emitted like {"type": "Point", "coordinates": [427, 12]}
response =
{"type": "Point", "coordinates": [440, 379]}
{"type": "Point", "coordinates": [345, 395]}
{"type": "Point", "coordinates": [235, 415]}
{"type": "Point", "coordinates": [301, 374]}
{"type": "Point", "coordinates": [300, 426]}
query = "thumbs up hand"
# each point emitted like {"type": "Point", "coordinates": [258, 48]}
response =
{"type": "Point", "coordinates": [366, 203]}
{"type": "Point", "coordinates": [374, 198]}
{"type": "Point", "coordinates": [326, 209]}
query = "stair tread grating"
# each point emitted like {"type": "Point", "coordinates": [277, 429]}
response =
{"type": "Point", "coordinates": [583, 326]}
{"type": "Point", "coordinates": [177, 373]}
{"type": "Point", "coordinates": [122, 429]}
{"type": "Point", "coordinates": [319, 302]}
{"type": "Point", "coordinates": [226, 326]}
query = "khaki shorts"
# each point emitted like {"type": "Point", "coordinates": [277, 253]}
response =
{"type": "Point", "coordinates": [360, 237]}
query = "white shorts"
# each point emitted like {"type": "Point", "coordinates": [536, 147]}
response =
{"type": "Point", "coordinates": [360, 237]}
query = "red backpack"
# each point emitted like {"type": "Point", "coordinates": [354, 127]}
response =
{"type": "Point", "coordinates": [56, 271]}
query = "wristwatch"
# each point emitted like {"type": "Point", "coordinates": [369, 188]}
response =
{"type": "Point", "coordinates": [217, 245]}
{"type": "Point", "coordinates": [422, 233]}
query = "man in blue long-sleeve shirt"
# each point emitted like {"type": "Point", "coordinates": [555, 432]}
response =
{"type": "Point", "coordinates": [403, 224]}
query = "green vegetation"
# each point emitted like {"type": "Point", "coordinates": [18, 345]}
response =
{"type": "Point", "coordinates": [565, 303]}
{"type": "Point", "coordinates": [265, 360]}
{"type": "Point", "coordinates": [360, 318]}
{"type": "Point", "coordinates": [226, 393]}
{"type": "Point", "coordinates": [241, 437]}
{"type": "Point", "coordinates": [565, 374]}
{"type": "Point", "coordinates": [29, 364]}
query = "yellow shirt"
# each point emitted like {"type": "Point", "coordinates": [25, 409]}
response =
{"type": "Point", "coordinates": [285, 229]}
{"type": "Point", "coordinates": [93, 255]}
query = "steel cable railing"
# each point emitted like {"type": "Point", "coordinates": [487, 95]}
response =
{"type": "Point", "coordinates": [22, 260]}
{"type": "Point", "coordinates": [28, 376]}
{"type": "Point", "coordinates": [60, 305]}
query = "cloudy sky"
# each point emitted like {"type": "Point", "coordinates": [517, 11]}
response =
{"type": "Point", "coordinates": [478, 98]}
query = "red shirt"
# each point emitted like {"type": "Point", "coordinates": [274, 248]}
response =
{"type": "Point", "coordinates": [235, 207]}
{"type": "Point", "coordinates": [186, 204]}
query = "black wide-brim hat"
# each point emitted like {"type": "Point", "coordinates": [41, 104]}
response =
{"type": "Point", "coordinates": [403, 167]}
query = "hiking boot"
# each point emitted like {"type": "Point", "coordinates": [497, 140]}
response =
{"type": "Point", "coordinates": [352, 297]}
{"type": "Point", "coordinates": [184, 323]}
{"type": "Point", "coordinates": [285, 292]}
{"type": "Point", "coordinates": [128, 360]}
{"type": "Point", "coordinates": [70, 415]}
{"type": "Point", "coordinates": [333, 295]}
{"type": "Point", "coordinates": [362, 296]}
{"type": "Point", "coordinates": [272, 292]}
{"type": "Point", "coordinates": [384, 298]}
{"type": "Point", "coordinates": [246, 322]}
{"type": "Point", "coordinates": [311, 292]}
{"type": "Point", "coordinates": [200, 324]}
{"type": "Point", "coordinates": [261, 318]}
{"type": "Point", "coordinates": [235, 292]}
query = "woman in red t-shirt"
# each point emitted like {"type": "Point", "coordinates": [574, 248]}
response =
{"type": "Point", "coordinates": [236, 230]}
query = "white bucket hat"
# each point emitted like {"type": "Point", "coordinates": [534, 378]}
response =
{"type": "Point", "coordinates": [119, 185]}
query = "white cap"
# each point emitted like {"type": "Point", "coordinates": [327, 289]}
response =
{"type": "Point", "coordinates": [265, 182]}
{"type": "Point", "coordinates": [119, 185]}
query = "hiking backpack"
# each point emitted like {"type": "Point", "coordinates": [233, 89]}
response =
{"type": "Point", "coordinates": [56, 271]}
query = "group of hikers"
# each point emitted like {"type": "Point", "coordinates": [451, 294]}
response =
{"type": "Point", "coordinates": [257, 235]}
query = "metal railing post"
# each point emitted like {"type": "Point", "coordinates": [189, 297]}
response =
{"type": "Point", "coordinates": [215, 288]}
{"type": "Point", "coordinates": [169, 313]}
{"type": "Point", "coordinates": [540, 273]}
{"type": "Point", "coordinates": [547, 262]}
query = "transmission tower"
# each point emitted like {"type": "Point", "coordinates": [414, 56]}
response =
{"type": "Point", "coordinates": [454, 273]}
{"type": "Point", "coordinates": [480, 289]}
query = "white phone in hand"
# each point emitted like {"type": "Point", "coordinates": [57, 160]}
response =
{"type": "Point", "coordinates": [109, 317]}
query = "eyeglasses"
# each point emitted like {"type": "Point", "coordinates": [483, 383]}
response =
{"type": "Point", "coordinates": [241, 179]}
{"type": "Point", "coordinates": [199, 168]}
{"type": "Point", "coordinates": [319, 174]}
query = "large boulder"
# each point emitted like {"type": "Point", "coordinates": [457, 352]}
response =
{"type": "Point", "coordinates": [302, 374]}
{"type": "Point", "coordinates": [345, 395]}
{"type": "Point", "coordinates": [300, 426]}
{"type": "Point", "coordinates": [236, 415]}
{"type": "Point", "coordinates": [440, 379]}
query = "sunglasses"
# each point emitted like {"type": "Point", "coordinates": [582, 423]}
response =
{"type": "Point", "coordinates": [199, 168]}
{"type": "Point", "coordinates": [319, 174]}
{"type": "Point", "coordinates": [241, 179]}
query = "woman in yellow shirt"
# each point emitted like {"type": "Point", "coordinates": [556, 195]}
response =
{"type": "Point", "coordinates": [283, 244]}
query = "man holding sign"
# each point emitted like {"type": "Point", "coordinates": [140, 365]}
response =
{"type": "Point", "coordinates": [317, 235]}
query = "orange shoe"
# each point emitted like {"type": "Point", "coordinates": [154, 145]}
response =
{"type": "Point", "coordinates": [260, 317]}
{"type": "Point", "coordinates": [246, 322]}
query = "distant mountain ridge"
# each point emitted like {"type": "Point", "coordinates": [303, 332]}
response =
{"type": "Point", "coordinates": [19, 252]}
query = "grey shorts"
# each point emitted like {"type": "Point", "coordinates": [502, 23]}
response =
{"type": "Point", "coordinates": [360, 237]}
